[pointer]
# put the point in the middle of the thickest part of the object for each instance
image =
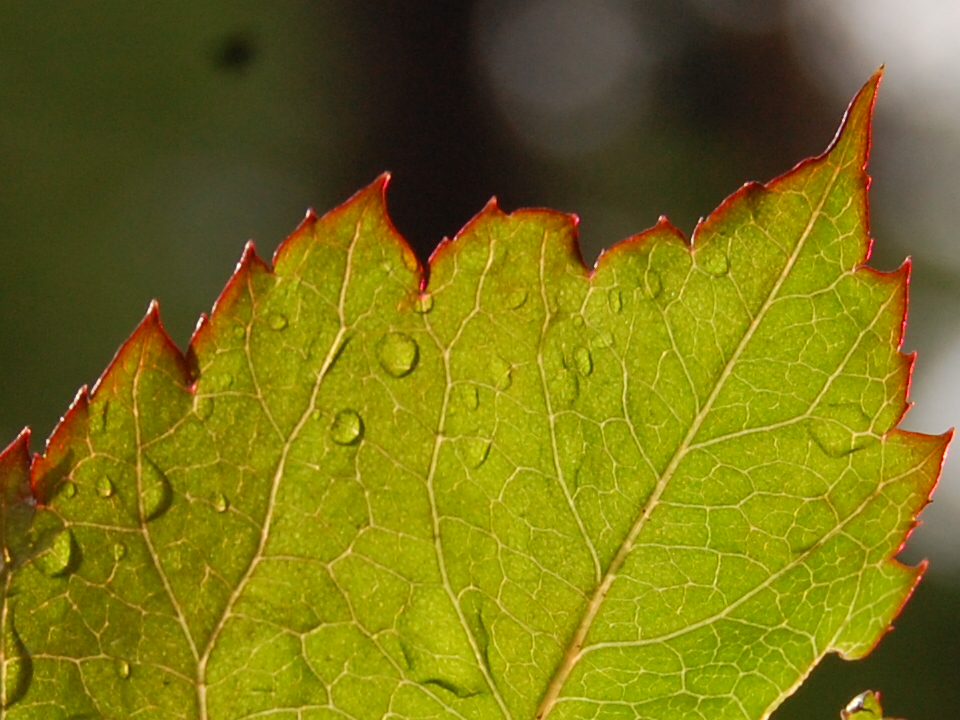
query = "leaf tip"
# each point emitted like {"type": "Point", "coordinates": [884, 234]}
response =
{"type": "Point", "coordinates": [149, 337]}
{"type": "Point", "coordinates": [662, 229]}
{"type": "Point", "coordinates": [16, 454]}
{"type": "Point", "coordinates": [248, 258]}
{"type": "Point", "coordinates": [151, 325]}
{"type": "Point", "coordinates": [856, 127]}
{"type": "Point", "coordinates": [665, 226]}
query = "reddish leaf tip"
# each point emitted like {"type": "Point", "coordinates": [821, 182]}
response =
{"type": "Point", "coordinates": [248, 256]}
{"type": "Point", "coordinates": [18, 451]}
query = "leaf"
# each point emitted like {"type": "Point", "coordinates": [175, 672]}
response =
{"type": "Point", "coordinates": [662, 489]}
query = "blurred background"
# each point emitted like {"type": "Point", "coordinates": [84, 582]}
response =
{"type": "Point", "coordinates": [142, 144]}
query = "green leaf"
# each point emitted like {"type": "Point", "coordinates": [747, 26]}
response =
{"type": "Point", "coordinates": [664, 488]}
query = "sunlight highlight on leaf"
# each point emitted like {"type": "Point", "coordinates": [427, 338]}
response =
{"type": "Point", "coordinates": [502, 487]}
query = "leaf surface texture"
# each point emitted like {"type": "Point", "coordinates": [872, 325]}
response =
{"type": "Point", "coordinates": [664, 488]}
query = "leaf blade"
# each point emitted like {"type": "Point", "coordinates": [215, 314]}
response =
{"type": "Point", "coordinates": [665, 487]}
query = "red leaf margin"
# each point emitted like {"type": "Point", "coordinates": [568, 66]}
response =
{"type": "Point", "coordinates": [36, 476]}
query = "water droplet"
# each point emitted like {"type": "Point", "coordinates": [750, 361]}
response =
{"type": "Point", "coordinates": [584, 360]}
{"type": "Point", "coordinates": [104, 487]}
{"type": "Point", "coordinates": [714, 261]}
{"type": "Point", "coordinates": [398, 354]}
{"type": "Point", "coordinates": [454, 688]}
{"type": "Point", "coordinates": [219, 381]}
{"type": "Point", "coordinates": [604, 339]}
{"type": "Point", "coordinates": [578, 476]}
{"type": "Point", "coordinates": [156, 493]}
{"type": "Point", "coordinates": [578, 321]}
{"type": "Point", "coordinates": [119, 551]}
{"type": "Point", "coordinates": [469, 396]}
{"type": "Point", "coordinates": [652, 284]}
{"type": "Point", "coordinates": [615, 300]}
{"type": "Point", "coordinates": [17, 666]}
{"type": "Point", "coordinates": [565, 387]}
{"type": "Point", "coordinates": [475, 451]}
{"type": "Point", "coordinates": [203, 406]}
{"type": "Point", "coordinates": [277, 321]}
{"type": "Point", "coordinates": [123, 669]}
{"type": "Point", "coordinates": [220, 502]}
{"type": "Point", "coordinates": [502, 373]}
{"type": "Point", "coordinates": [68, 489]}
{"type": "Point", "coordinates": [516, 299]}
{"type": "Point", "coordinates": [424, 303]}
{"type": "Point", "coordinates": [841, 429]}
{"type": "Point", "coordinates": [347, 427]}
{"type": "Point", "coordinates": [58, 558]}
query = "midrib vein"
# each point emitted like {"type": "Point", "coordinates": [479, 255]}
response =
{"type": "Point", "coordinates": [854, 514]}
{"type": "Point", "coordinates": [574, 649]}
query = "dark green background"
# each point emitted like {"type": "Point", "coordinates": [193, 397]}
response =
{"type": "Point", "coordinates": [142, 145]}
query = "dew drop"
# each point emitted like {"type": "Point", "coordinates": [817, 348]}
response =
{"type": "Point", "coordinates": [841, 429]}
{"type": "Point", "coordinates": [565, 387]}
{"type": "Point", "coordinates": [584, 360]}
{"type": "Point", "coordinates": [579, 476]}
{"type": "Point", "coordinates": [277, 321]}
{"type": "Point", "coordinates": [68, 489]}
{"type": "Point", "coordinates": [220, 381]}
{"type": "Point", "coordinates": [203, 407]}
{"type": "Point", "coordinates": [615, 300]}
{"type": "Point", "coordinates": [119, 551]}
{"type": "Point", "coordinates": [502, 373]}
{"type": "Point", "coordinates": [105, 487]}
{"type": "Point", "coordinates": [398, 354]}
{"type": "Point", "coordinates": [123, 669]}
{"type": "Point", "coordinates": [578, 321]}
{"type": "Point", "coordinates": [220, 502]}
{"type": "Point", "coordinates": [475, 451]}
{"type": "Point", "coordinates": [714, 261]}
{"type": "Point", "coordinates": [346, 428]}
{"type": "Point", "coordinates": [17, 666]}
{"type": "Point", "coordinates": [155, 491]}
{"type": "Point", "coordinates": [652, 284]}
{"type": "Point", "coordinates": [469, 396]}
{"type": "Point", "coordinates": [424, 303]}
{"type": "Point", "coordinates": [59, 557]}
{"type": "Point", "coordinates": [604, 339]}
{"type": "Point", "coordinates": [516, 299]}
